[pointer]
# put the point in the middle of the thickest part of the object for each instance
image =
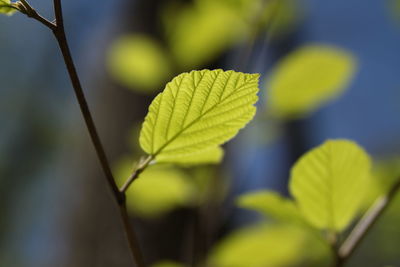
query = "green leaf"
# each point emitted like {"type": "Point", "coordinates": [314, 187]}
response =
{"type": "Point", "coordinates": [198, 111]}
{"type": "Point", "coordinates": [271, 204]}
{"type": "Point", "coordinates": [308, 78]}
{"type": "Point", "coordinates": [329, 183]}
{"type": "Point", "coordinates": [138, 62]}
{"type": "Point", "coordinates": [159, 190]}
{"type": "Point", "coordinates": [265, 245]}
{"type": "Point", "coordinates": [385, 173]}
{"type": "Point", "coordinates": [193, 36]}
{"type": "Point", "coordinates": [209, 156]}
{"type": "Point", "coordinates": [6, 8]}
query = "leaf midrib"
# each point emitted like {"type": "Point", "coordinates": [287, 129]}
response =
{"type": "Point", "coordinates": [197, 119]}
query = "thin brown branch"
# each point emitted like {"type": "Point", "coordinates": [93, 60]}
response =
{"type": "Point", "coordinates": [138, 170]}
{"type": "Point", "coordinates": [24, 7]}
{"type": "Point", "coordinates": [365, 224]}
{"type": "Point", "coordinates": [63, 44]}
{"type": "Point", "coordinates": [118, 196]}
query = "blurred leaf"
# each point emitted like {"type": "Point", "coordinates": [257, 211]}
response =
{"type": "Point", "coordinates": [271, 204]}
{"type": "Point", "coordinates": [212, 155]}
{"type": "Point", "coordinates": [211, 184]}
{"type": "Point", "coordinates": [167, 264]}
{"type": "Point", "coordinates": [159, 190]}
{"type": "Point", "coordinates": [201, 31]}
{"type": "Point", "coordinates": [260, 246]}
{"type": "Point", "coordinates": [138, 62]}
{"type": "Point", "coordinates": [198, 111]}
{"type": "Point", "coordinates": [329, 183]}
{"type": "Point", "coordinates": [394, 8]}
{"type": "Point", "coordinates": [308, 78]}
{"type": "Point", "coordinates": [6, 8]}
{"type": "Point", "coordinates": [384, 174]}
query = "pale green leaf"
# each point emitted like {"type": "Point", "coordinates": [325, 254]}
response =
{"type": "Point", "coordinates": [159, 190]}
{"type": "Point", "coordinates": [308, 78]}
{"type": "Point", "coordinates": [212, 156]}
{"type": "Point", "coordinates": [6, 8]}
{"type": "Point", "coordinates": [385, 174]}
{"type": "Point", "coordinates": [260, 246]}
{"type": "Point", "coordinates": [138, 62]}
{"type": "Point", "coordinates": [202, 30]}
{"type": "Point", "coordinates": [271, 204]}
{"type": "Point", "coordinates": [329, 183]}
{"type": "Point", "coordinates": [198, 111]}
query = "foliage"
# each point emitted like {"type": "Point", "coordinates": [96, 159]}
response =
{"type": "Point", "coordinates": [271, 204]}
{"type": "Point", "coordinates": [329, 183]}
{"type": "Point", "coordinates": [262, 245]}
{"type": "Point", "coordinates": [198, 111]}
{"type": "Point", "coordinates": [210, 155]}
{"type": "Point", "coordinates": [6, 7]}
{"type": "Point", "coordinates": [193, 48]}
{"type": "Point", "coordinates": [163, 188]}
{"type": "Point", "coordinates": [137, 61]}
{"type": "Point", "coordinates": [159, 190]}
{"type": "Point", "coordinates": [308, 78]}
{"type": "Point", "coordinates": [385, 174]}
{"type": "Point", "coordinates": [393, 7]}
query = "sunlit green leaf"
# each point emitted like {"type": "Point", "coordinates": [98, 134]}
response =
{"type": "Point", "coordinates": [212, 155]}
{"type": "Point", "coordinates": [384, 174]}
{"type": "Point", "coordinates": [261, 246]}
{"type": "Point", "coordinates": [221, 24]}
{"type": "Point", "coordinates": [308, 78]}
{"type": "Point", "coordinates": [330, 182]}
{"type": "Point", "coordinates": [6, 8]}
{"type": "Point", "coordinates": [198, 111]}
{"type": "Point", "coordinates": [271, 204]}
{"type": "Point", "coordinates": [159, 190]}
{"type": "Point", "coordinates": [138, 62]}
{"type": "Point", "coordinates": [200, 31]}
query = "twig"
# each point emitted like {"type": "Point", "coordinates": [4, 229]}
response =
{"type": "Point", "coordinates": [365, 224]}
{"type": "Point", "coordinates": [138, 170]}
{"type": "Point", "coordinates": [24, 7]}
{"type": "Point", "coordinates": [119, 197]}
{"type": "Point", "coordinates": [63, 44]}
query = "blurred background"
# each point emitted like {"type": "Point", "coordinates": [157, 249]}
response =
{"type": "Point", "coordinates": [55, 208]}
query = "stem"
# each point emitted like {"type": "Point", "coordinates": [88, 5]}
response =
{"type": "Point", "coordinates": [24, 7]}
{"type": "Point", "coordinates": [119, 197]}
{"type": "Point", "coordinates": [142, 166]}
{"type": "Point", "coordinates": [62, 42]}
{"type": "Point", "coordinates": [365, 224]}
